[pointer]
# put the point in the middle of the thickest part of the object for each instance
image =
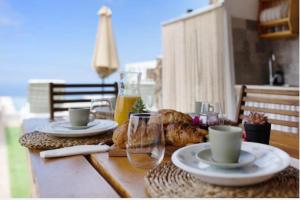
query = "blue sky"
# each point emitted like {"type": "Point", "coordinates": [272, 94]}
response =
{"type": "Point", "coordinates": [54, 39]}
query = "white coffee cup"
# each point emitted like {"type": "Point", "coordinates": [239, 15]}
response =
{"type": "Point", "coordinates": [80, 116]}
{"type": "Point", "coordinates": [225, 142]}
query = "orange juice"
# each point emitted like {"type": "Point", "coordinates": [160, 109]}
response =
{"type": "Point", "coordinates": [124, 105]}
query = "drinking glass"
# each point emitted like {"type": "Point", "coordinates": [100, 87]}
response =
{"type": "Point", "coordinates": [206, 111]}
{"type": "Point", "coordinates": [206, 107]}
{"type": "Point", "coordinates": [218, 110]}
{"type": "Point", "coordinates": [102, 108]}
{"type": "Point", "coordinates": [149, 101]}
{"type": "Point", "coordinates": [146, 143]}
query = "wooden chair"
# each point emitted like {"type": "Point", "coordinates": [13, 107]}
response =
{"type": "Point", "coordinates": [62, 95]}
{"type": "Point", "coordinates": [287, 141]}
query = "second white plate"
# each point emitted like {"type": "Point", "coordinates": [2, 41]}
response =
{"type": "Point", "coordinates": [269, 161]}
{"type": "Point", "coordinates": [56, 129]}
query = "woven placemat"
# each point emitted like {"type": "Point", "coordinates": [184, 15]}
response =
{"type": "Point", "coordinates": [167, 180]}
{"type": "Point", "coordinates": [43, 141]}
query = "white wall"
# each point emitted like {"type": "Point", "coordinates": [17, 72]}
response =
{"type": "Point", "coordinates": [141, 67]}
{"type": "Point", "coordinates": [245, 9]}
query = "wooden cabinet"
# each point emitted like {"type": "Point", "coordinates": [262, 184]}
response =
{"type": "Point", "coordinates": [275, 21]}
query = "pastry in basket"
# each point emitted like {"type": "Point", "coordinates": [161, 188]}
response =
{"type": "Point", "coordinates": [178, 129]}
{"type": "Point", "coordinates": [170, 116]}
{"type": "Point", "coordinates": [144, 134]}
{"type": "Point", "coordinates": [181, 134]}
{"type": "Point", "coordinates": [120, 135]}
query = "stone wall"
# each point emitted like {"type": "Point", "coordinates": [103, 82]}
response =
{"type": "Point", "coordinates": [251, 54]}
{"type": "Point", "coordinates": [287, 56]}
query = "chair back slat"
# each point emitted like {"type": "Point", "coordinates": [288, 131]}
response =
{"type": "Point", "coordinates": [272, 91]}
{"type": "Point", "coordinates": [85, 85]}
{"type": "Point", "coordinates": [293, 102]}
{"type": "Point", "coordinates": [282, 108]}
{"type": "Point", "coordinates": [71, 101]}
{"type": "Point", "coordinates": [60, 109]}
{"type": "Point", "coordinates": [273, 111]}
{"type": "Point", "coordinates": [279, 122]}
{"type": "Point", "coordinates": [63, 96]}
{"type": "Point", "coordinates": [83, 93]}
{"type": "Point", "coordinates": [284, 123]}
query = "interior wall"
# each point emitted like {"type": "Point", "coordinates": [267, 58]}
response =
{"type": "Point", "coordinates": [251, 54]}
{"type": "Point", "coordinates": [245, 9]}
{"type": "Point", "coordinates": [287, 57]}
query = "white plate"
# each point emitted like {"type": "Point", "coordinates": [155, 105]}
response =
{"type": "Point", "coordinates": [56, 129]}
{"type": "Point", "coordinates": [69, 126]}
{"type": "Point", "coordinates": [269, 161]}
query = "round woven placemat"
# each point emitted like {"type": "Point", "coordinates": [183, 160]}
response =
{"type": "Point", "coordinates": [167, 180]}
{"type": "Point", "coordinates": [43, 141]}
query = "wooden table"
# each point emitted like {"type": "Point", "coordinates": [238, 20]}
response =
{"type": "Point", "coordinates": [95, 175]}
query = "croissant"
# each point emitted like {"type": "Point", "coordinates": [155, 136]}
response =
{"type": "Point", "coordinates": [170, 116]}
{"type": "Point", "coordinates": [181, 134]}
{"type": "Point", "coordinates": [177, 127]}
{"type": "Point", "coordinates": [145, 133]}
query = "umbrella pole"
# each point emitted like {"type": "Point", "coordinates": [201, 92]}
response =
{"type": "Point", "coordinates": [102, 88]}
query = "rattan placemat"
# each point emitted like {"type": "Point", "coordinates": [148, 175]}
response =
{"type": "Point", "coordinates": [167, 180]}
{"type": "Point", "coordinates": [43, 141]}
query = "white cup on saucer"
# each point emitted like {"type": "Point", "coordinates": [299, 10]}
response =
{"type": "Point", "coordinates": [80, 116]}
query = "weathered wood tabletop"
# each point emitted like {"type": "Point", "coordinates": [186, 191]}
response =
{"type": "Point", "coordinates": [72, 176]}
{"type": "Point", "coordinates": [95, 175]}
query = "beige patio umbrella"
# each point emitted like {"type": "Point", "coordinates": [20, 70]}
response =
{"type": "Point", "coordinates": [105, 58]}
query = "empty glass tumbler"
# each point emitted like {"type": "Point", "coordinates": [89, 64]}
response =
{"type": "Point", "coordinates": [146, 141]}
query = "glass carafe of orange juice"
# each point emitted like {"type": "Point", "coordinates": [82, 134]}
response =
{"type": "Point", "coordinates": [129, 93]}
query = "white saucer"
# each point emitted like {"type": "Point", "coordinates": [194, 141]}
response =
{"type": "Point", "coordinates": [269, 161]}
{"type": "Point", "coordinates": [69, 126]}
{"type": "Point", "coordinates": [56, 129]}
{"type": "Point", "coordinates": [245, 158]}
